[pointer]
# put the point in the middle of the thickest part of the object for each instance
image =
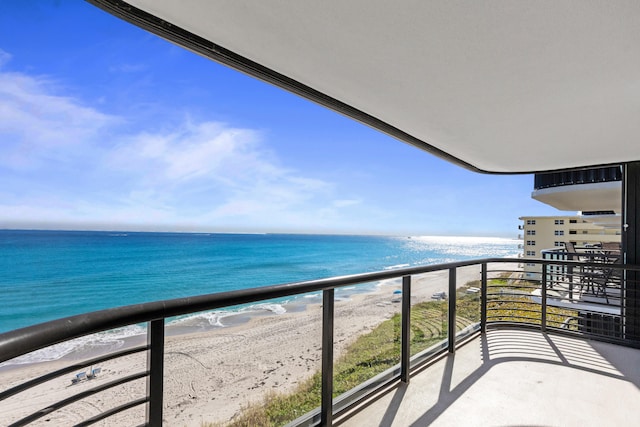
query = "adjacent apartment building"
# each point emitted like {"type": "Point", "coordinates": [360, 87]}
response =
{"type": "Point", "coordinates": [540, 233]}
{"type": "Point", "coordinates": [594, 193]}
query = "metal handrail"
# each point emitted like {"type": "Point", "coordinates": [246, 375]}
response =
{"type": "Point", "coordinates": [25, 340]}
{"type": "Point", "coordinates": [575, 177]}
{"type": "Point", "coordinates": [31, 338]}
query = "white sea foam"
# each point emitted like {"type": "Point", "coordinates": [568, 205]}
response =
{"type": "Point", "coordinates": [217, 318]}
{"type": "Point", "coordinates": [272, 307]}
{"type": "Point", "coordinates": [387, 282]}
{"type": "Point", "coordinates": [395, 267]}
{"type": "Point", "coordinates": [108, 340]}
{"type": "Point", "coordinates": [203, 319]}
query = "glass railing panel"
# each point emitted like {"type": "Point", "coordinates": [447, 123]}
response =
{"type": "Point", "coordinates": [429, 311]}
{"type": "Point", "coordinates": [512, 298]}
{"type": "Point", "coordinates": [256, 364]}
{"type": "Point", "coordinates": [367, 336]}
{"type": "Point", "coordinates": [468, 300]}
{"type": "Point", "coordinates": [82, 373]}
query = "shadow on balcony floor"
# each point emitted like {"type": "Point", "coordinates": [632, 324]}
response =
{"type": "Point", "coordinates": [512, 377]}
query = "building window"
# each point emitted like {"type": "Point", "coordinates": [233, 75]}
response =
{"type": "Point", "coordinates": [530, 265]}
{"type": "Point", "coordinates": [531, 242]}
{"type": "Point", "coordinates": [558, 244]}
{"type": "Point", "coordinates": [531, 222]}
{"type": "Point", "coordinates": [573, 221]}
{"type": "Point", "coordinates": [573, 232]}
{"type": "Point", "coordinates": [559, 233]}
{"type": "Point", "coordinates": [531, 253]}
{"type": "Point", "coordinates": [585, 232]}
{"type": "Point", "coordinates": [531, 232]}
{"type": "Point", "coordinates": [559, 221]}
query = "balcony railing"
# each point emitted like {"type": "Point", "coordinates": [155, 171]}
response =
{"type": "Point", "coordinates": [582, 176]}
{"type": "Point", "coordinates": [582, 298]}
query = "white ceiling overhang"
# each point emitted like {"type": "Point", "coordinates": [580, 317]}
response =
{"type": "Point", "coordinates": [597, 196]}
{"type": "Point", "coordinates": [506, 87]}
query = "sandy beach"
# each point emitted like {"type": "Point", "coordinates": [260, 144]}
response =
{"type": "Point", "coordinates": [211, 376]}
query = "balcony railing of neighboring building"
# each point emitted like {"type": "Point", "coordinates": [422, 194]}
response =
{"type": "Point", "coordinates": [578, 297]}
{"type": "Point", "coordinates": [582, 176]}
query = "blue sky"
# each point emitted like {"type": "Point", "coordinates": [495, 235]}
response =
{"type": "Point", "coordinates": [104, 126]}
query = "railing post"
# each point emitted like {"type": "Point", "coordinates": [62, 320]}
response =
{"type": "Point", "coordinates": [483, 298]}
{"type": "Point", "coordinates": [155, 365]}
{"type": "Point", "coordinates": [543, 295]}
{"type": "Point", "coordinates": [452, 310]}
{"type": "Point", "coordinates": [406, 329]}
{"type": "Point", "coordinates": [326, 406]}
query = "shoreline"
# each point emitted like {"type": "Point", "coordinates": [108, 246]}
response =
{"type": "Point", "coordinates": [211, 375]}
{"type": "Point", "coordinates": [201, 322]}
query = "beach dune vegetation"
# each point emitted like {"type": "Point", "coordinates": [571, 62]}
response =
{"type": "Point", "coordinates": [375, 352]}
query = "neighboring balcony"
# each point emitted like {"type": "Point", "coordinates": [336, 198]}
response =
{"type": "Point", "coordinates": [596, 190]}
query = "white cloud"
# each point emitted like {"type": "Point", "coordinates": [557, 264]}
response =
{"type": "Point", "coordinates": [345, 202]}
{"type": "Point", "coordinates": [69, 164]}
{"type": "Point", "coordinates": [5, 57]}
{"type": "Point", "coordinates": [221, 173]}
{"type": "Point", "coordinates": [38, 125]}
{"type": "Point", "coordinates": [192, 153]}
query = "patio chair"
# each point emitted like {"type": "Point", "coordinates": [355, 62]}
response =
{"type": "Point", "coordinates": [611, 252]}
{"type": "Point", "coordinates": [573, 255]}
{"type": "Point", "coordinates": [604, 281]}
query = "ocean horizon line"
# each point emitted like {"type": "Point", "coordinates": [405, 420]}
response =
{"type": "Point", "coordinates": [256, 233]}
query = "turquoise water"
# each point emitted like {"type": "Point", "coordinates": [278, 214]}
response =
{"type": "Point", "coordinates": [46, 275]}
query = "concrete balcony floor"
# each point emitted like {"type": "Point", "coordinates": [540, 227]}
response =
{"type": "Point", "coordinates": [516, 377]}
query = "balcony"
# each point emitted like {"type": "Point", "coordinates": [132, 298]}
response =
{"type": "Point", "coordinates": [575, 177]}
{"type": "Point", "coordinates": [587, 190]}
{"type": "Point", "coordinates": [516, 377]}
{"type": "Point", "coordinates": [507, 325]}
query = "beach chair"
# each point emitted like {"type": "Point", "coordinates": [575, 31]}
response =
{"type": "Point", "coordinates": [94, 373]}
{"type": "Point", "coordinates": [79, 377]}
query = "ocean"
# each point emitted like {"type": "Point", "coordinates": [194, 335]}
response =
{"type": "Point", "coordinates": [45, 275]}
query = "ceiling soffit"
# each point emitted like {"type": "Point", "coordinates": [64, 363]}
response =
{"type": "Point", "coordinates": [508, 87]}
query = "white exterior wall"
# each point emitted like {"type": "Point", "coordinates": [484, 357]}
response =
{"type": "Point", "coordinates": [550, 232]}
